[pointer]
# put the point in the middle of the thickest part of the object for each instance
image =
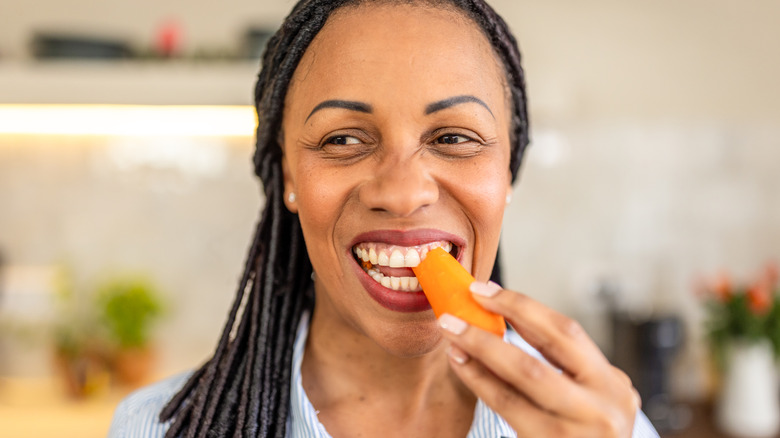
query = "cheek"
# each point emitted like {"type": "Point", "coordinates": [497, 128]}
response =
{"type": "Point", "coordinates": [483, 189]}
{"type": "Point", "coordinates": [481, 192]}
{"type": "Point", "coordinates": [487, 208]}
{"type": "Point", "coordinates": [321, 201]}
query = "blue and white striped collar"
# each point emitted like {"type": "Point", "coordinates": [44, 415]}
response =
{"type": "Point", "coordinates": [303, 422]}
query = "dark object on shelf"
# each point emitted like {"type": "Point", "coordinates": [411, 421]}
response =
{"type": "Point", "coordinates": [255, 40]}
{"type": "Point", "coordinates": [644, 349]}
{"type": "Point", "coordinates": [51, 45]}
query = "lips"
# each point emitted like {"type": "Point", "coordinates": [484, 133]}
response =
{"type": "Point", "coordinates": [383, 262]}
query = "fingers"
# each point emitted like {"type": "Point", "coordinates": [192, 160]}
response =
{"type": "Point", "coordinates": [589, 398]}
{"type": "Point", "coordinates": [541, 384]}
{"type": "Point", "coordinates": [537, 401]}
{"type": "Point", "coordinates": [558, 338]}
{"type": "Point", "coordinates": [521, 414]}
{"type": "Point", "coordinates": [625, 381]}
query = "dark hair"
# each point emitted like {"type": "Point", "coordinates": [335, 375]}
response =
{"type": "Point", "coordinates": [244, 389]}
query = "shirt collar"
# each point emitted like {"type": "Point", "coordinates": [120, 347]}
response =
{"type": "Point", "coordinates": [302, 422]}
{"type": "Point", "coordinates": [488, 424]}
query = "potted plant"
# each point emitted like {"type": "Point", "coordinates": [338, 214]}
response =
{"type": "Point", "coordinates": [743, 328]}
{"type": "Point", "coordinates": [79, 356]}
{"type": "Point", "coordinates": [128, 307]}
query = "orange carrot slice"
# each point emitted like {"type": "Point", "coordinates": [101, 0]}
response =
{"type": "Point", "coordinates": [446, 285]}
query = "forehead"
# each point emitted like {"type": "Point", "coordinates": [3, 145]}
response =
{"type": "Point", "coordinates": [419, 52]}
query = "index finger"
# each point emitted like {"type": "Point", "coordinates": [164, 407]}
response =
{"type": "Point", "coordinates": [537, 381]}
{"type": "Point", "coordinates": [560, 339]}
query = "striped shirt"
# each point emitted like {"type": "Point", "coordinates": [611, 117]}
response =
{"type": "Point", "coordinates": [137, 416]}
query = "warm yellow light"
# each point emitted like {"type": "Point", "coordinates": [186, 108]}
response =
{"type": "Point", "coordinates": [128, 120]}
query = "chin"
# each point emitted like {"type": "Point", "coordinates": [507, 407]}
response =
{"type": "Point", "coordinates": [410, 342]}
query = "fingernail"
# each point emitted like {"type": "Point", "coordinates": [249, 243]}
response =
{"type": "Point", "coordinates": [488, 289]}
{"type": "Point", "coordinates": [459, 356]}
{"type": "Point", "coordinates": [452, 324]}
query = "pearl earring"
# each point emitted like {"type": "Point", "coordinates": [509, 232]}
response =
{"type": "Point", "coordinates": [291, 197]}
{"type": "Point", "coordinates": [508, 198]}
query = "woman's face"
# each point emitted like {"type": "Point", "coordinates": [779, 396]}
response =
{"type": "Point", "coordinates": [396, 140]}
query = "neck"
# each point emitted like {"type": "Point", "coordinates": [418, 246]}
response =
{"type": "Point", "coordinates": [342, 366]}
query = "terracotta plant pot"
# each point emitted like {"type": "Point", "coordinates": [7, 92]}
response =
{"type": "Point", "coordinates": [133, 366]}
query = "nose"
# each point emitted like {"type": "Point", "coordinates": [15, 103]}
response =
{"type": "Point", "coordinates": [400, 186]}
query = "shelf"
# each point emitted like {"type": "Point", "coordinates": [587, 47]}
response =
{"type": "Point", "coordinates": [127, 82]}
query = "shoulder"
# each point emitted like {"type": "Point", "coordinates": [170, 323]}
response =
{"type": "Point", "coordinates": [137, 416]}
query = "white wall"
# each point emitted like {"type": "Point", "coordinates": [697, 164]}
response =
{"type": "Point", "coordinates": [665, 59]}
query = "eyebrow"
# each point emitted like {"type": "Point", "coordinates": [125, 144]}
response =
{"type": "Point", "coordinates": [345, 104]}
{"type": "Point", "coordinates": [456, 100]}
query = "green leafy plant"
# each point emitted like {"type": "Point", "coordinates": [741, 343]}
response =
{"type": "Point", "coordinates": [747, 312]}
{"type": "Point", "coordinates": [128, 307]}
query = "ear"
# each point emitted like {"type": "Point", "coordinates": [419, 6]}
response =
{"type": "Point", "coordinates": [289, 186]}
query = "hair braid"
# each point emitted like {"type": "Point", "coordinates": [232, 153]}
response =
{"type": "Point", "coordinates": [244, 389]}
{"type": "Point", "coordinates": [251, 357]}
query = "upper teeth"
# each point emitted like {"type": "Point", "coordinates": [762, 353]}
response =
{"type": "Point", "coordinates": [396, 256]}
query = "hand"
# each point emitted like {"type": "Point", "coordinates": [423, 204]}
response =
{"type": "Point", "coordinates": [588, 397]}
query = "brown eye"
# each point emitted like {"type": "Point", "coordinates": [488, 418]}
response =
{"type": "Point", "coordinates": [342, 140]}
{"type": "Point", "coordinates": [452, 139]}
{"type": "Point", "coordinates": [345, 148]}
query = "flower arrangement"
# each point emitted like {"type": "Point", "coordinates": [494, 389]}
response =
{"type": "Point", "coordinates": [747, 312]}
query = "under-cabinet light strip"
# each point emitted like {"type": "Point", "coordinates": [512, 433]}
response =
{"type": "Point", "coordinates": [128, 120]}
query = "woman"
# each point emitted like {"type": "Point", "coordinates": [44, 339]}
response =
{"type": "Point", "coordinates": [387, 128]}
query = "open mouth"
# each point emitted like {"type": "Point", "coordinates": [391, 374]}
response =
{"type": "Point", "coordinates": [391, 265]}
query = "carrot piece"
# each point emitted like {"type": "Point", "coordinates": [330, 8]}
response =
{"type": "Point", "coordinates": [446, 285]}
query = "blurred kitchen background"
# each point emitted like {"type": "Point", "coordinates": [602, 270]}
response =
{"type": "Point", "coordinates": [126, 183]}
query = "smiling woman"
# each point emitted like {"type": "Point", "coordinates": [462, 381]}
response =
{"type": "Point", "coordinates": [387, 129]}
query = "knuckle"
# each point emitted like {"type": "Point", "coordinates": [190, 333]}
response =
{"type": "Point", "coordinates": [571, 328]}
{"type": "Point", "coordinates": [623, 377]}
{"type": "Point", "coordinates": [629, 396]}
{"type": "Point", "coordinates": [637, 398]}
{"type": "Point", "coordinates": [561, 429]}
{"type": "Point", "coordinates": [532, 368]}
{"type": "Point", "coordinates": [609, 425]}
{"type": "Point", "coordinates": [606, 427]}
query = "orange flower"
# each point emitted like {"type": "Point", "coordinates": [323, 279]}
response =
{"type": "Point", "coordinates": [760, 297]}
{"type": "Point", "coordinates": [721, 287]}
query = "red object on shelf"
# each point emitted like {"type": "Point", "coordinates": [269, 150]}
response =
{"type": "Point", "coordinates": [169, 38]}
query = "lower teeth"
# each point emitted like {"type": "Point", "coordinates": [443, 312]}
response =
{"type": "Point", "coordinates": [405, 284]}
